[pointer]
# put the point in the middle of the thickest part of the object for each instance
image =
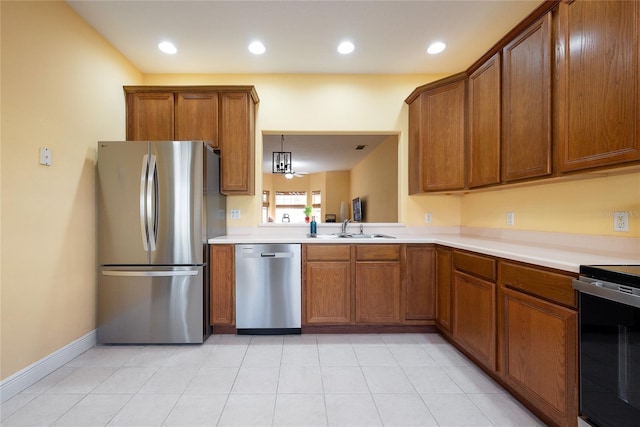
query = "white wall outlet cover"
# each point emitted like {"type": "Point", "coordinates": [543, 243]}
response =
{"type": "Point", "coordinates": [428, 217]}
{"type": "Point", "coordinates": [621, 221]}
{"type": "Point", "coordinates": [510, 218]}
{"type": "Point", "coordinates": [45, 156]}
{"type": "Point", "coordinates": [235, 213]}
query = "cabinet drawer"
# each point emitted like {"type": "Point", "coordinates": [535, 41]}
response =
{"type": "Point", "coordinates": [478, 265]}
{"type": "Point", "coordinates": [541, 283]}
{"type": "Point", "coordinates": [328, 252]}
{"type": "Point", "coordinates": [376, 252]}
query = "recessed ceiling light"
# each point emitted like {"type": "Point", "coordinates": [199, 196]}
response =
{"type": "Point", "coordinates": [346, 48]}
{"type": "Point", "coordinates": [167, 47]}
{"type": "Point", "coordinates": [436, 47]}
{"type": "Point", "coordinates": [257, 48]}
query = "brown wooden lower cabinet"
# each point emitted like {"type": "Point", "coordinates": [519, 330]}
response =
{"type": "Point", "coordinates": [326, 285]}
{"type": "Point", "coordinates": [444, 279]}
{"type": "Point", "coordinates": [222, 284]}
{"type": "Point", "coordinates": [328, 292]}
{"type": "Point", "coordinates": [538, 325]}
{"type": "Point", "coordinates": [539, 354]}
{"type": "Point", "coordinates": [474, 317]}
{"type": "Point", "coordinates": [419, 284]}
{"type": "Point", "coordinates": [377, 284]}
{"type": "Point", "coordinates": [377, 292]}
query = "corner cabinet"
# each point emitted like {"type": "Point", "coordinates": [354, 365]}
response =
{"type": "Point", "coordinates": [419, 284]}
{"type": "Point", "coordinates": [437, 136]}
{"type": "Point", "coordinates": [444, 279]}
{"type": "Point", "coordinates": [598, 72]}
{"type": "Point", "coordinates": [222, 116]}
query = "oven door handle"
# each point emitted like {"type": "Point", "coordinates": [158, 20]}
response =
{"type": "Point", "coordinates": [606, 293]}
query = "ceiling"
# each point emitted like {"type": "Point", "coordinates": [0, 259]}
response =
{"type": "Point", "coordinates": [318, 153]}
{"type": "Point", "coordinates": [390, 37]}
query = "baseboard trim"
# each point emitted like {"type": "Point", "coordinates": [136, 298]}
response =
{"type": "Point", "coordinates": [33, 373]}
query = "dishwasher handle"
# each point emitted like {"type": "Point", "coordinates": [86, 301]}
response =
{"type": "Point", "coordinates": [249, 255]}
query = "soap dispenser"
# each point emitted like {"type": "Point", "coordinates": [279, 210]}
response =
{"type": "Point", "coordinates": [314, 226]}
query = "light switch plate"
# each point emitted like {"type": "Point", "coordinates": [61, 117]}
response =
{"type": "Point", "coordinates": [45, 156]}
{"type": "Point", "coordinates": [510, 218]}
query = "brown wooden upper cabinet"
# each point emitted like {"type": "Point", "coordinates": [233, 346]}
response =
{"type": "Point", "coordinates": [222, 116]}
{"type": "Point", "coordinates": [150, 116]}
{"type": "Point", "coordinates": [598, 105]}
{"type": "Point", "coordinates": [558, 94]}
{"type": "Point", "coordinates": [197, 117]}
{"type": "Point", "coordinates": [526, 103]}
{"type": "Point", "coordinates": [437, 136]}
{"type": "Point", "coordinates": [484, 124]}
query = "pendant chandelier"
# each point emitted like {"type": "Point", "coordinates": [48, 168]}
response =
{"type": "Point", "coordinates": [282, 160]}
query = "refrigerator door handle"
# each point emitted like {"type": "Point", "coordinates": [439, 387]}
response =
{"type": "Point", "coordinates": [152, 211]}
{"type": "Point", "coordinates": [129, 273]}
{"type": "Point", "coordinates": [143, 222]}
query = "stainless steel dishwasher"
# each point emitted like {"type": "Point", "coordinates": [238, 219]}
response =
{"type": "Point", "coordinates": [268, 289]}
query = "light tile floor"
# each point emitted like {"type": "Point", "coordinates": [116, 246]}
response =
{"type": "Point", "coordinates": [304, 380]}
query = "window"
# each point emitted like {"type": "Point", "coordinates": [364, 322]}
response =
{"type": "Point", "coordinates": [265, 207]}
{"type": "Point", "coordinates": [290, 206]}
{"type": "Point", "coordinates": [316, 205]}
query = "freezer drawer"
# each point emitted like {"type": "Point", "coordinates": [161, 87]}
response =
{"type": "Point", "coordinates": [150, 305]}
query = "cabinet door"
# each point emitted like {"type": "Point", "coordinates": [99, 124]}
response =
{"type": "Point", "coordinates": [222, 275]}
{"type": "Point", "coordinates": [416, 132]}
{"type": "Point", "coordinates": [526, 103]}
{"type": "Point", "coordinates": [327, 292]}
{"type": "Point", "coordinates": [150, 116]}
{"type": "Point", "coordinates": [598, 83]}
{"type": "Point", "coordinates": [444, 276]}
{"type": "Point", "coordinates": [443, 141]}
{"type": "Point", "coordinates": [377, 292]}
{"type": "Point", "coordinates": [197, 117]}
{"type": "Point", "coordinates": [419, 284]}
{"type": "Point", "coordinates": [540, 359]}
{"type": "Point", "coordinates": [484, 124]}
{"type": "Point", "coordinates": [237, 140]}
{"type": "Point", "coordinates": [474, 317]}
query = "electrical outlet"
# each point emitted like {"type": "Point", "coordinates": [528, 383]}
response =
{"type": "Point", "coordinates": [510, 218]}
{"type": "Point", "coordinates": [235, 213]}
{"type": "Point", "coordinates": [428, 217]}
{"type": "Point", "coordinates": [621, 221]}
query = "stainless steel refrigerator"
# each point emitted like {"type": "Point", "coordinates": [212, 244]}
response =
{"type": "Point", "coordinates": [158, 204]}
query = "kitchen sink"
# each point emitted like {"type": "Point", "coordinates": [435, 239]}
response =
{"type": "Point", "coordinates": [352, 236]}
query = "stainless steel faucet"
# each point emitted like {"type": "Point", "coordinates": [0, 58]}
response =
{"type": "Point", "coordinates": [344, 225]}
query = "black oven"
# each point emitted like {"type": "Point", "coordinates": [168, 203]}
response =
{"type": "Point", "coordinates": [609, 330]}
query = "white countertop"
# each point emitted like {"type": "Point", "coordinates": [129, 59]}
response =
{"type": "Point", "coordinates": [550, 253]}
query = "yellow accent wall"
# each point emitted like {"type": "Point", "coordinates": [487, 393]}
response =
{"type": "Point", "coordinates": [309, 103]}
{"type": "Point", "coordinates": [583, 206]}
{"type": "Point", "coordinates": [62, 89]}
{"type": "Point", "coordinates": [374, 181]}
{"type": "Point", "coordinates": [340, 184]}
